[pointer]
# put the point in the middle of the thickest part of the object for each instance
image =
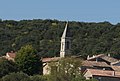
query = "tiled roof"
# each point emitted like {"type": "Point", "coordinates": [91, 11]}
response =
{"type": "Point", "coordinates": [50, 59]}
{"type": "Point", "coordinates": [106, 73]}
{"type": "Point", "coordinates": [11, 54]}
{"type": "Point", "coordinates": [94, 63]}
{"type": "Point", "coordinates": [109, 59]}
{"type": "Point", "coordinates": [116, 62]}
{"type": "Point", "coordinates": [96, 56]}
{"type": "Point", "coordinates": [104, 57]}
{"type": "Point", "coordinates": [116, 68]}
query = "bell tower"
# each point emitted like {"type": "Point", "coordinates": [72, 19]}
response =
{"type": "Point", "coordinates": [65, 42]}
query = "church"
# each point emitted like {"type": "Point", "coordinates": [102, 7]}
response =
{"type": "Point", "coordinates": [65, 50]}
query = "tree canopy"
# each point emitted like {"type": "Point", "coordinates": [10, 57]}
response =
{"type": "Point", "coordinates": [66, 69]}
{"type": "Point", "coordinates": [44, 35]}
{"type": "Point", "coordinates": [7, 67]}
{"type": "Point", "coordinates": [28, 60]}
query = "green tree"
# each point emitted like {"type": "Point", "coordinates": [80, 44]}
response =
{"type": "Point", "coordinates": [38, 78]}
{"type": "Point", "coordinates": [16, 77]}
{"type": "Point", "coordinates": [28, 60]}
{"type": "Point", "coordinates": [80, 78]}
{"type": "Point", "coordinates": [7, 67]}
{"type": "Point", "coordinates": [65, 69]}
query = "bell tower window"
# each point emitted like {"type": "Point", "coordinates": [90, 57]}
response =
{"type": "Point", "coordinates": [67, 45]}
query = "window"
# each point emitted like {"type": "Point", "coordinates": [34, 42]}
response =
{"type": "Point", "coordinates": [67, 45]}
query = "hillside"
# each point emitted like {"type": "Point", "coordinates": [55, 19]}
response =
{"type": "Point", "coordinates": [44, 35]}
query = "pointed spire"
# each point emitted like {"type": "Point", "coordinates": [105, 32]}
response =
{"type": "Point", "coordinates": [66, 32]}
{"type": "Point", "coordinates": [65, 42]}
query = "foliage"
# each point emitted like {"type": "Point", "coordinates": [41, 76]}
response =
{"type": "Point", "coordinates": [7, 67]}
{"type": "Point", "coordinates": [65, 69]}
{"type": "Point", "coordinates": [79, 78]}
{"type": "Point", "coordinates": [28, 60]}
{"type": "Point", "coordinates": [38, 78]}
{"type": "Point", "coordinates": [19, 76]}
{"type": "Point", "coordinates": [44, 35]}
{"type": "Point", "coordinates": [16, 77]}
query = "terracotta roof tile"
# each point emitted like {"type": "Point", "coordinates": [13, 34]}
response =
{"type": "Point", "coordinates": [115, 62]}
{"type": "Point", "coordinates": [95, 56]}
{"type": "Point", "coordinates": [116, 68]}
{"type": "Point", "coordinates": [104, 57]}
{"type": "Point", "coordinates": [109, 59]}
{"type": "Point", "coordinates": [94, 63]}
{"type": "Point", "coordinates": [11, 54]}
{"type": "Point", "coordinates": [96, 72]}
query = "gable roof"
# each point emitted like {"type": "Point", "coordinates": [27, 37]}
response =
{"type": "Point", "coordinates": [95, 56]}
{"type": "Point", "coordinates": [104, 57]}
{"type": "Point", "coordinates": [94, 63]}
{"type": "Point", "coordinates": [109, 59]}
{"type": "Point", "coordinates": [105, 73]}
{"type": "Point", "coordinates": [116, 68]}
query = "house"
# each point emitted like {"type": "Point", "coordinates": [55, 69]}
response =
{"type": "Point", "coordinates": [10, 56]}
{"type": "Point", "coordinates": [102, 75]}
{"type": "Point", "coordinates": [95, 65]}
{"type": "Point", "coordinates": [46, 62]}
{"type": "Point", "coordinates": [103, 58]}
{"type": "Point", "coordinates": [102, 68]}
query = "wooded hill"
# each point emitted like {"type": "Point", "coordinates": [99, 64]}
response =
{"type": "Point", "coordinates": [45, 35]}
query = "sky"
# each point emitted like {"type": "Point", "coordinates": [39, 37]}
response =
{"type": "Point", "coordinates": [65, 10]}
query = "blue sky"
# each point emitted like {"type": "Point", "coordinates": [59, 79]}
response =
{"type": "Point", "coordinates": [72, 10]}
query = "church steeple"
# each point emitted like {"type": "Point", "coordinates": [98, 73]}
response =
{"type": "Point", "coordinates": [65, 42]}
{"type": "Point", "coordinates": [66, 32]}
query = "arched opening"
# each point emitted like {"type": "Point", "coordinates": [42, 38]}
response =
{"type": "Point", "coordinates": [67, 45]}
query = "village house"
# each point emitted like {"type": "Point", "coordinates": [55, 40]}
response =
{"type": "Point", "coordinates": [102, 68]}
{"type": "Point", "coordinates": [10, 56]}
{"type": "Point", "coordinates": [102, 75]}
{"type": "Point", "coordinates": [102, 58]}
{"type": "Point", "coordinates": [46, 62]}
{"type": "Point", "coordinates": [95, 65]}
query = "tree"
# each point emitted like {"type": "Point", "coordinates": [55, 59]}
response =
{"type": "Point", "coordinates": [7, 67]}
{"type": "Point", "coordinates": [38, 78]}
{"type": "Point", "coordinates": [80, 78]}
{"type": "Point", "coordinates": [16, 77]}
{"type": "Point", "coordinates": [28, 60]}
{"type": "Point", "coordinates": [65, 69]}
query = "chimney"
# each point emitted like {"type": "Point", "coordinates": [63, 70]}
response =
{"type": "Point", "coordinates": [88, 57]}
{"type": "Point", "coordinates": [103, 68]}
{"type": "Point", "coordinates": [12, 51]}
{"type": "Point", "coordinates": [109, 55]}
